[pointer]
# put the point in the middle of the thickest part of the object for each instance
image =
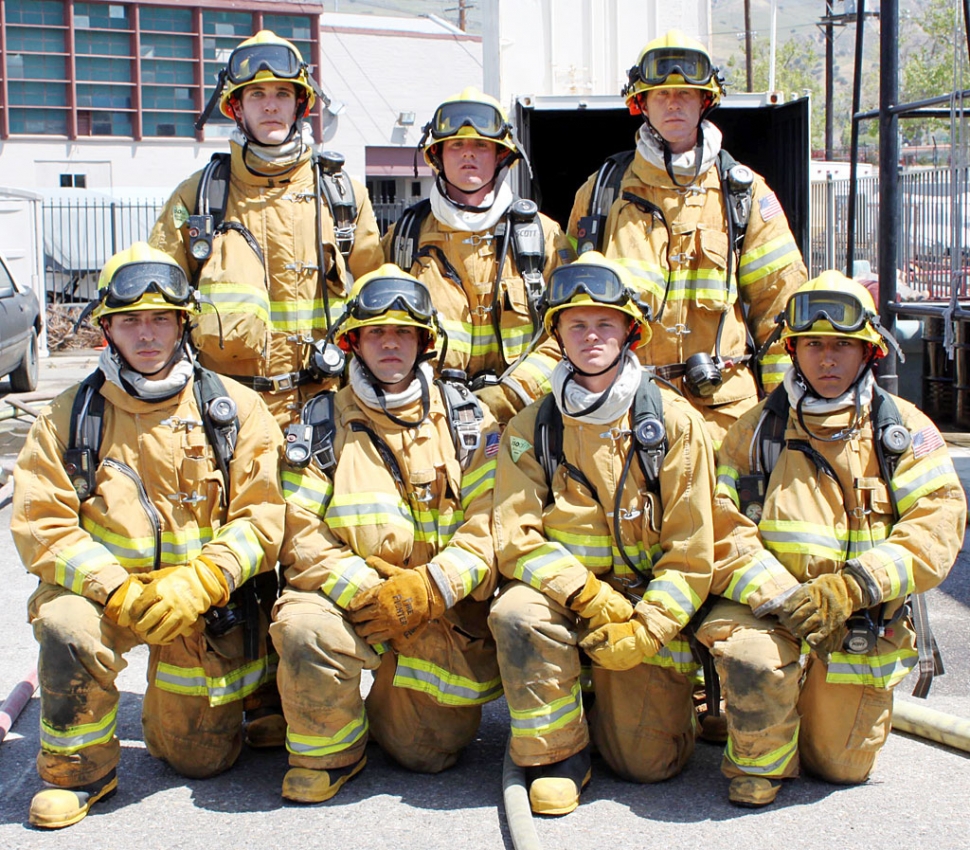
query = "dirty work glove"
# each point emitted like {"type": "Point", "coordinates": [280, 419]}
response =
{"type": "Point", "coordinates": [502, 401]}
{"type": "Point", "coordinates": [620, 646]}
{"type": "Point", "coordinates": [398, 606]}
{"type": "Point", "coordinates": [819, 608]}
{"type": "Point", "coordinates": [123, 598]}
{"type": "Point", "coordinates": [176, 597]}
{"type": "Point", "coordinates": [599, 604]}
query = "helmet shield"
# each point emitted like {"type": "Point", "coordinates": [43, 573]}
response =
{"type": "Point", "coordinates": [486, 120]}
{"type": "Point", "coordinates": [131, 282]}
{"type": "Point", "coordinates": [382, 294]}
{"type": "Point", "coordinates": [659, 64]}
{"type": "Point", "coordinates": [247, 61]}
{"type": "Point", "coordinates": [600, 283]}
{"type": "Point", "coordinates": [842, 310]}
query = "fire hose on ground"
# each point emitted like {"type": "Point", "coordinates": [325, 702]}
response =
{"type": "Point", "coordinates": [16, 701]}
{"type": "Point", "coordinates": [932, 724]}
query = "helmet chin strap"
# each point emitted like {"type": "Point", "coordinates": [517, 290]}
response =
{"type": "Point", "coordinates": [810, 390]}
{"type": "Point", "coordinates": [601, 400]}
{"type": "Point", "coordinates": [668, 154]}
{"type": "Point", "coordinates": [379, 390]}
{"type": "Point", "coordinates": [177, 353]}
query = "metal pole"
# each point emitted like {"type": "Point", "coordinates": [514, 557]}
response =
{"type": "Point", "coordinates": [888, 181]}
{"type": "Point", "coordinates": [829, 80]}
{"type": "Point", "coordinates": [747, 44]}
{"type": "Point", "coordinates": [860, 29]}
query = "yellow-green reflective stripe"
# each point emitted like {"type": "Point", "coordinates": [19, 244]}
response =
{"type": "Point", "coordinates": [675, 654]}
{"type": "Point", "coordinates": [321, 745]}
{"type": "Point", "coordinates": [897, 563]}
{"type": "Point", "coordinates": [879, 671]}
{"type": "Point", "coordinates": [306, 491]}
{"type": "Point", "coordinates": [459, 335]}
{"type": "Point", "coordinates": [672, 593]}
{"type": "Point", "coordinates": [178, 546]}
{"type": "Point", "coordinates": [650, 278]}
{"type": "Point", "coordinates": [351, 510]}
{"type": "Point", "coordinates": [238, 298]}
{"type": "Point", "coordinates": [590, 550]}
{"type": "Point", "coordinates": [220, 690]}
{"type": "Point", "coordinates": [469, 568]}
{"type": "Point", "coordinates": [548, 559]}
{"type": "Point", "coordinates": [643, 560]}
{"type": "Point", "coordinates": [74, 564]}
{"type": "Point", "coordinates": [444, 686]}
{"type": "Point", "coordinates": [477, 481]}
{"type": "Point", "coordinates": [926, 477]}
{"type": "Point", "coordinates": [345, 578]}
{"type": "Point", "coordinates": [75, 738]}
{"type": "Point", "coordinates": [536, 722]}
{"type": "Point", "coordinates": [240, 538]}
{"type": "Point", "coordinates": [727, 484]}
{"type": "Point", "coordinates": [747, 579]}
{"type": "Point", "coordinates": [767, 258]}
{"type": "Point", "coordinates": [770, 764]}
{"type": "Point", "coordinates": [802, 538]}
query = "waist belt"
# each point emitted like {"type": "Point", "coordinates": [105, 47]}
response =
{"type": "Point", "coordinates": [275, 383]}
{"type": "Point", "coordinates": [677, 370]}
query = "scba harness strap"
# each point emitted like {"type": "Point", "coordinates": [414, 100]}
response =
{"type": "Point", "coordinates": [212, 198]}
{"type": "Point", "coordinates": [313, 437]}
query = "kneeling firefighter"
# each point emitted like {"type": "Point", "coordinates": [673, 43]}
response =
{"type": "Point", "coordinates": [387, 555]}
{"type": "Point", "coordinates": [147, 503]}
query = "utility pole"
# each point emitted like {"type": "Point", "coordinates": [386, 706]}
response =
{"type": "Point", "coordinates": [829, 77]}
{"type": "Point", "coordinates": [747, 44]}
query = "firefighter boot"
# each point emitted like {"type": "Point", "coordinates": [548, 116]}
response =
{"type": "Point", "coordinates": [554, 789]}
{"type": "Point", "coordinates": [265, 730]}
{"type": "Point", "coordinates": [302, 785]}
{"type": "Point", "coordinates": [752, 792]}
{"type": "Point", "coordinates": [55, 808]}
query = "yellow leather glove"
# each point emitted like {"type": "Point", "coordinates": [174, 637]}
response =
{"type": "Point", "coordinates": [819, 608]}
{"type": "Point", "coordinates": [398, 606]}
{"type": "Point", "coordinates": [176, 597]}
{"type": "Point", "coordinates": [502, 401]}
{"type": "Point", "coordinates": [620, 646]}
{"type": "Point", "coordinates": [123, 598]}
{"type": "Point", "coordinates": [599, 604]}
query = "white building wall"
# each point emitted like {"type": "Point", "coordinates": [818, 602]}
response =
{"type": "Point", "coordinates": [576, 47]}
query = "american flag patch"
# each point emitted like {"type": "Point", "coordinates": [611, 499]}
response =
{"type": "Point", "coordinates": [926, 441]}
{"type": "Point", "coordinates": [491, 445]}
{"type": "Point", "coordinates": [770, 208]}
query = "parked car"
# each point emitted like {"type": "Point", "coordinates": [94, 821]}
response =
{"type": "Point", "coordinates": [21, 321]}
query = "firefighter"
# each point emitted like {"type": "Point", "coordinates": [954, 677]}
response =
{"type": "Point", "coordinates": [483, 254]}
{"type": "Point", "coordinates": [143, 535]}
{"type": "Point", "coordinates": [388, 554]}
{"type": "Point", "coordinates": [702, 266]}
{"type": "Point", "coordinates": [610, 553]}
{"type": "Point", "coordinates": [274, 267]}
{"type": "Point", "coordinates": [862, 509]}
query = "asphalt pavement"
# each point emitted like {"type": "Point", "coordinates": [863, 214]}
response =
{"type": "Point", "coordinates": [919, 795]}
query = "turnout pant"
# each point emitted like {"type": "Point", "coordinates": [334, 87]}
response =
{"type": "Point", "coordinates": [642, 721]}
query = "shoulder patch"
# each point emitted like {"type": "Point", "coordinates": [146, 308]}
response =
{"type": "Point", "coordinates": [769, 206]}
{"type": "Point", "coordinates": [518, 447]}
{"type": "Point", "coordinates": [491, 444]}
{"type": "Point", "coordinates": [180, 215]}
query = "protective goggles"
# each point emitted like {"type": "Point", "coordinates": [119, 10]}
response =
{"type": "Point", "coordinates": [133, 281]}
{"type": "Point", "coordinates": [599, 283]}
{"type": "Point", "coordinates": [484, 118]}
{"type": "Point", "coordinates": [842, 311]}
{"type": "Point", "coordinates": [693, 65]}
{"type": "Point", "coordinates": [383, 294]}
{"type": "Point", "coordinates": [246, 62]}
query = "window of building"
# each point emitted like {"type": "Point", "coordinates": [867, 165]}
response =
{"type": "Point", "coordinates": [176, 82]}
{"type": "Point", "coordinates": [77, 181]}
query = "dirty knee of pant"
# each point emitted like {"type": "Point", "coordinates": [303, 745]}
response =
{"type": "Point", "coordinates": [193, 758]}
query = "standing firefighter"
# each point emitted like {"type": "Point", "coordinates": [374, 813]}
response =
{"type": "Point", "coordinates": [146, 501]}
{"type": "Point", "coordinates": [483, 254]}
{"type": "Point", "coordinates": [271, 233]}
{"type": "Point", "coordinates": [705, 238]}
{"type": "Point", "coordinates": [843, 503]}
{"type": "Point", "coordinates": [603, 495]}
{"type": "Point", "coordinates": [388, 554]}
